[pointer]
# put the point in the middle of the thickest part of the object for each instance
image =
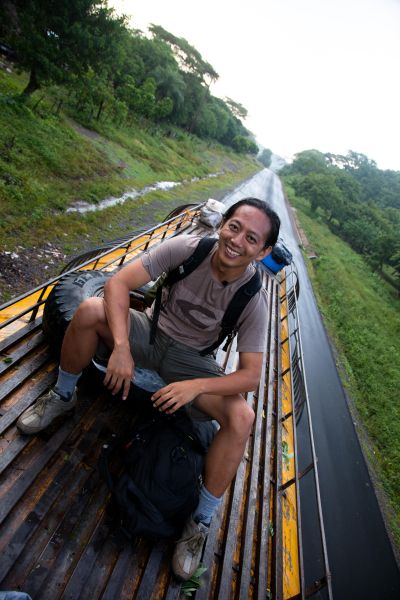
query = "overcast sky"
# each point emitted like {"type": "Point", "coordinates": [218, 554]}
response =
{"type": "Point", "coordinates": [318, 74]}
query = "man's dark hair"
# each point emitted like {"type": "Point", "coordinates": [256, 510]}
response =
{"type": "Point", "coordinates": [266, 209]}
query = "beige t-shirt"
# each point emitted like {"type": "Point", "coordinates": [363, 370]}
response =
{"type": "Point", "coordinates": [196, 304]}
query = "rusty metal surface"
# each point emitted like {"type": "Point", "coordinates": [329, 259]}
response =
{"type": "Point", "coordinates": [56, 538]}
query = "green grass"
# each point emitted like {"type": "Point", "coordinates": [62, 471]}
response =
{"type": "Point", "coordinates": [362, 315]}
{"type": "Point", "coordinates": [48, 162]}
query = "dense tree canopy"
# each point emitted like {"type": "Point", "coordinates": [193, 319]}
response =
{"type": "Point", "coordinates": [188, 58]}
{"type": "Point", "coordinates": [57, 40]}
{"type": "Point", "coordinates": [359, 201]}
{"type": "Point", "coordinates": [236, 108]}
{"type": "Point", "coordinates": [117, 73]}
{"type": "Point", "coordinates": [265, 157]}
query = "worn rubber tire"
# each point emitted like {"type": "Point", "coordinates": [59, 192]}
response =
{"type": "Point", "coordinates": [65, 298]}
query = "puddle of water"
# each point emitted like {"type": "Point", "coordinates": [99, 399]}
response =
{"type": "Point", "coordinates": [160, 185]}
{"type": "Point", "coordinates": [84, 207]}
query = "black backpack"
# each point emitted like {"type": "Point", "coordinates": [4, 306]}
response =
{"type": "Point", "coordinates": [235, 307]}
{"type": "Point", "coordinates": [158, 489]}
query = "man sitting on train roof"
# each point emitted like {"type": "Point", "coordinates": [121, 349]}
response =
{"type": "Point", "coordinates": [188, 322]}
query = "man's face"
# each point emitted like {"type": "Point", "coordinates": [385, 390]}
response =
{"type": "Point", "coordinates": [242, 238]}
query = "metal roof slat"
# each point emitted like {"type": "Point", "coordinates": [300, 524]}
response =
{"type": "Point", "coordinates": [31, 522]}
{"type": "Point", "coordinates": [23, 372]}
{"type": "Point", "coordinates": [121, 568]}
{"type": "Point", "coordinates": [11, 452]}
{"type": "Point", "coordinates": [20, 334]}
{"type": "Point", "coordinates": [80, 576]}
{"type": "Point", "coordinates": [15, 356]}
{"type": "Point", "coordinates": [231, 536]}
{"type": "Point", "coordinates": [211, 556]}
{"type": "Point", "coordinates": [46, 542]}
{"type": "Point", "coordinates": [174, 590]}
{"type": "Point", "coordinates": [263, 561]}
{"type": "Point", "coordinates": [148, 581]}
{"type": "Point", "coordinates": [32, 393]}
{"type": "Point", "coordinates": [251, 524]}
{"type": "Point", "coordinates": [73, 549]}
{"type": "Point", "coordinates": [46, 453]}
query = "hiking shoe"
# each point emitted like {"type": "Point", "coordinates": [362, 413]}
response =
{"type": "Point", "coordinates": [188, 549]}
{"type": "Point", "coordinates": [45, 410]}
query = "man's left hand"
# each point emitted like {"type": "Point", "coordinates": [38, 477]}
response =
{"type": "Point", "coordinates": [175, 395]}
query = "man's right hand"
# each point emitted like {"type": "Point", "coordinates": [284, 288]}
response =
{"type": "Point", "coordinates": [119, 371]}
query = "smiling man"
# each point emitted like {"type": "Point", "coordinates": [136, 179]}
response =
{"type": "Point", "coordinates": [189, 322]}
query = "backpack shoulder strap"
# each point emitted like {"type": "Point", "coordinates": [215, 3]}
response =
{"type": "Point", "coordinates": [235, 308]}
{"type": "Point", "coordinates": [190, 264]}
{"type": "Point", "coordinates": [203, 249]}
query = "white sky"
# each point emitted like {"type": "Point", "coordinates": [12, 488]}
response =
{"type": "Point", "coordinates": [318, 74]}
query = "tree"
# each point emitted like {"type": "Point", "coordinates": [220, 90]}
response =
{"type": "Point", "coordinates": [357, 199]}
{"type": "Point", "coordinates": [265, 157]}
{"type": "Point", "coordinates": [189, 59]}
{"type": "Point", "coordinates": [313, 187]}
{"type": "Point", "coordinates": [93, 93]}
{"type": "Point", "coordinates": [57, 40]}
{"type": "Point", "coordinates": [196, 96]}
{"type": "Point", "coordinates": [149, 54]}
{"type": "Point", "coordinates": [346, 183]}
{"type": "Point", "coordinates": [170, 84]}
{"type": "Point", "coordinates": [243, 144]}
{"type": "Point", "coordinates": [143, 101]}
{"type": "Point", "coordinates": [383, 250]}
{"type": "Point", "coordinates": [237, 109]}
{"type": "Point", "coordinates": [309, 161]}
{"type": "Point", "coordinates": [222, 117]}
{"type": "Point", "coordinates": [356, 160]}
{"type": "Point", "coordinates": [206, 125]}
{"type": "Point", "coordinates": [395, 262]}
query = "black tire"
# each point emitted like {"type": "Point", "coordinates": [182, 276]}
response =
{"type": "Point", "coordinates": [65, 298]}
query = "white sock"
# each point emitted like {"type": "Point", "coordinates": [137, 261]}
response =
{"type": "Point", "coordinates": [206, 507]}
{"type": "Point", "coordinates": [65, 384]}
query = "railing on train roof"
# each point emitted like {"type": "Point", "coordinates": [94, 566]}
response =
{"type": "Point", "coordinates": [155, 234]}
{"type": "Point", "coordinates": [302, 409]}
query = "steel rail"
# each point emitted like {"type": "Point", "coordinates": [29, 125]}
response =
{"type": "Point", "coordinates": [296, 479]}
{"type": "Point", "coordinates": [313, 465]}
{"type": "Point", "coordinates": [277, 539]}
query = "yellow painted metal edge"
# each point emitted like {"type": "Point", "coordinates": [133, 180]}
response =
{"type": "Point", "coordinates": [111, 259]}
{"type": "Point", "coordinates": [290, 542]}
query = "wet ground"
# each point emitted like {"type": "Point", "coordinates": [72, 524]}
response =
{"type": "Point", "coordinates": [26, 268]}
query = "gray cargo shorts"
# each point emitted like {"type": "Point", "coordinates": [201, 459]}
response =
{"type": "Point", "coordinates": [172, 360]}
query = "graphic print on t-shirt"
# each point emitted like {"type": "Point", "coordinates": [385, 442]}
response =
{"type": "Point", "coordinates": [190, 311]}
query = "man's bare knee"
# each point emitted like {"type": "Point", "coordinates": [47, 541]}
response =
{"type": "Point", "coordinates": [240, 419]}
{"type": "Point", "coordinates": [90, 313]}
